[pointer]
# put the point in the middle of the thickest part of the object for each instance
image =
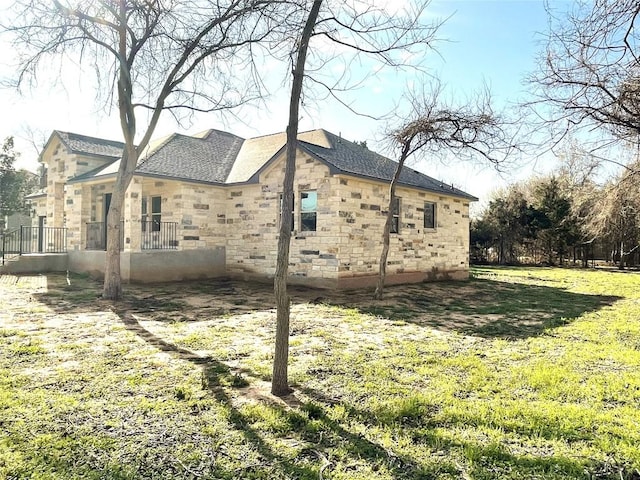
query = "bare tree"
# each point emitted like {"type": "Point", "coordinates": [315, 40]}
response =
{"type": "Point", "coordinates": [359, 29]}
{"type": "Point", "coordinates": [438, 128]}
{"type": "Point", "coordinates": [279, 381]}
{"type": "Point", "coordinates": [150, 57]}
{"type": "Point", "coordinates": [589, 73]}
{"type": "Point", "coordinates": [612, 214]}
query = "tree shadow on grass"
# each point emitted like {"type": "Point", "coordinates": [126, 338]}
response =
{"type": "Point", "coordinates": [330, 443]}
{"type": "Point", "coordinates": [483, 307]}
{"type": "Point", "coordinates": [480, 307]}
{"type": "Point", "coordinates": [480, 456]}
{"type": "Point", "coordinates": [303, 421]}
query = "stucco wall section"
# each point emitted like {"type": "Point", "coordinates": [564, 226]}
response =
{"type": "Point", "coordinates": [153, 265]}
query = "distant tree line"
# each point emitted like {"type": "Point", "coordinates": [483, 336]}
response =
{"type": "Point", "coordinates": [563, 218]}
{"type": "Point", "coordinates": [14, 184]}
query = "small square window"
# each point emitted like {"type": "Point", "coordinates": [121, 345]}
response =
{"type": "Point", "coordinates": [429, 215]}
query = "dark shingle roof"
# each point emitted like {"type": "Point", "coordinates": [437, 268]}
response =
{"type": "Point", "coordinates": [350, 158]}
{"type": "Point", "coordinates": [220, 157]}
{"type": "Point", "coordinates": [83, 144]}
{"type": "Point", "coordinates": [207, 159]}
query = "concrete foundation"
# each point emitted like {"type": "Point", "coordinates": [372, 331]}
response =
{"type": "Point", "coordinates": [359, 281]}
{"type": "Point", "coordinates": [154, 265]}
{"type": "Point", "coordinates": [37, 263]}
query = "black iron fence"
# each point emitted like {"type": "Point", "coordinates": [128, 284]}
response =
{"type": "Point", "coordinates": [26, 240]}
{"type": "Point", "coordinates": [155, 236]}
{"type": "Point", "coordinates": [159, 235]}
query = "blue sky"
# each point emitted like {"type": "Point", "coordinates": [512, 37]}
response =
{"type": "Point", "coordinates": [491, 40]}
{"type": "Point", "coordinates": [494, 41]}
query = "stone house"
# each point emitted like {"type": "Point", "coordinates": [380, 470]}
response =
{"type": "Point", "coordinates": [208, 205]}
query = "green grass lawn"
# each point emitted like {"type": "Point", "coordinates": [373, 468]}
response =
{"type": "Point", "coordinates": [516, 374]}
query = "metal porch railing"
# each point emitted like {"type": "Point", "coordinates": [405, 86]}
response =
{"type": "Point", "coordinates": [154, 236]}
{"type": "Point", "coordinates": [159, 235]}
{"type": "Point", "coordinates": [26, 240]}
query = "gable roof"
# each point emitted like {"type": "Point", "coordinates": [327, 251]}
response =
{"type": "Point", "coordinates": [85, 145]}
{"type": "Point", "coordinates": [218, 157]}
{"type": "Point", "coordinates": [206, 158]}
{"type": "Point", "coordinates": [350, 158]}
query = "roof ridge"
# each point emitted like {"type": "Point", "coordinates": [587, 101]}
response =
{"type": "Point", "coordinates": [90, 137]}
{"type": "Point", "coordinates": [284, 133]}
{"type": "Point", "coordinates": [62, 138]}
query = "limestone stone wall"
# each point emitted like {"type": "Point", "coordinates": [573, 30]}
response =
{"type": "Point", "coordinates": [63, 165]}
{"type": "Point", "coordinates": [38, 209]}
{"type": "Point", "coordinates": [196, 209]}
{"type": "Point", "coordinates": [201, 216]}
{"type": "Point", "coordinates": [77, 209]}
{"type": "Point", "coordinates": [252, 221]}
{"type": "Point", "coordinates": [416, 251]}
{"type": "Point", "coordinates": [345, 248]}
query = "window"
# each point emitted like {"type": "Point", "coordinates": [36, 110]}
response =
{"type": "Point", "coordinates": [155, 216]}
{"type": "Point", "coordinates": [308, 211]}
{"type": "Point", "coordinates": [429, 215]}
{"type": "Point", "coordinates": [395, 208]}
{"type": "Point", "coordinates": [292, 212]}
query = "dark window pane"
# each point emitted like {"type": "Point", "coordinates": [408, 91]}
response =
{"type": "Point", "coordinates": [429, 215]}
{"type": "Point", "coordinates": [308, 221]}
{"type": "Point", "coordinates": [394, 225]}
{"type": "Point", "coordinates": [156, 204]}
{"type": "Point", "coordinates": [395, 208]}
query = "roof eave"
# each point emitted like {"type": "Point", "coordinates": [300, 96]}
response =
{"type": "Point", "coordinates": [333, 170]}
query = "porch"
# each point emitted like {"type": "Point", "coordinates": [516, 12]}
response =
{"type": "Point", "coordinates": [154, 235]}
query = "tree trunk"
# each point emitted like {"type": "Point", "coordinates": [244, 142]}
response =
{"type": "Point", "coordinates": [280, 381]}
{"type": "Point", "coordinates": [386, 234]}
{"type": "Point", "coordinates": [621, 265]}
{"type": "Point", "coordinates": [112, 288]}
